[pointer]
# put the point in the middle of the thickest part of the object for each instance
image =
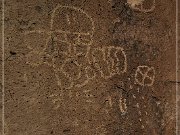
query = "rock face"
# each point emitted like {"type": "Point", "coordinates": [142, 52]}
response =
{"type": "Point", "coordinates": [90, 67]}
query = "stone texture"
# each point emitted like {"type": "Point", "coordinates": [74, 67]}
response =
{"type": "Point", "coordinates": [90, 67]}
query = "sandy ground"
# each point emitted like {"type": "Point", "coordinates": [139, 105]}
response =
{"type": "Point", "coordinates": [90, 67]}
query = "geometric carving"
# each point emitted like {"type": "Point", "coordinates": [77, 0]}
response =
{"type": "Point", "coordinates": [145, 75]}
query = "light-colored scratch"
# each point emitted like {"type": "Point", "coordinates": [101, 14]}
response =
{"type": "Point", "coordinates": [25, 78]}
{"type": "Point", "coordinates": [138, 90]}
{"type": "Point", "coordinates": [110, 101]}
{"type": "Point", "coordinates": [137, 105]}
{"type": "Point", "coordinates": [53, 15]}
{"type": "Point", "coordinates": [134, 96]}
{"type": "Point", "coordinates": [89, 69]}
{"type": "Point", "coordinates": [131, 87]}
{"type": "Point", "coordinates": [68, 19]}
{"type": "Point", "coordinates": [122, 105]}
{"type": "Point", "coordinates": [125, 59]}
{"type": "Point", "coordinates": [111, 64]}
{"type": "Point", "coordinates": [97, 60]}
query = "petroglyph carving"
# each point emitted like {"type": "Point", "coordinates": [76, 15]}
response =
{"type": "Point", "coordinates": [109, 99]}
{"type": "Point", "coordinates": [71, 69]}
{"type": "Point", "coordinates": [67, 49]}
{"type": "Point", "coordinates": [136, 104]}
{"type": "Point", "coordinates": [141, 5]}
{"type": "Point", "coordinates": [110, 61]}
{"type": "Point", "coordinates": [122, 105]}
{"type": "Point", "coordinates": [73, 21]}
{"type": "Point", "coordinates": [117, 99]}
{"type": "Point", "coordinates": [145, 75]}
{"type": "Point", "coordinates": [118, 60]}
{"type": "Point", "coordinates": [75, 30]}
{"type": "Point", "coordinates": [100, 62]}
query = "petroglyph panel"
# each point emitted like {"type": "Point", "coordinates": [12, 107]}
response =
{"type": "Point", "coordinates": [88, 67]}
{"type": "Point", "coordinates": [68, 44]}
